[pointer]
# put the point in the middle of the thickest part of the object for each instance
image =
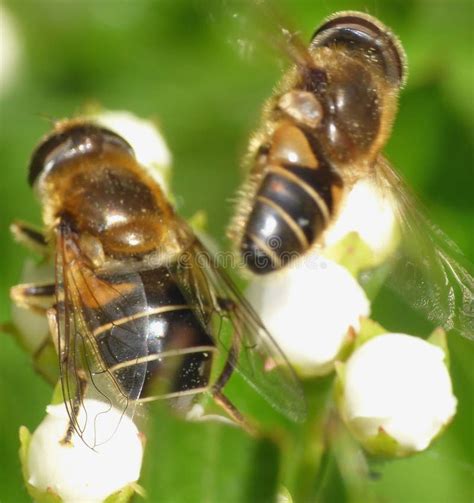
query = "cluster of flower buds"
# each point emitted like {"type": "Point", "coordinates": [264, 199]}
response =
{"type": "Point", "coordinates": [393, 390]}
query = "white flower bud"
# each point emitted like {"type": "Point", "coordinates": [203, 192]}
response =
{"type": "Point", "coordinates": [396, 386]}
{"type": "Point", "coordinates": [75, 472]}
{"type": "Point", "coordinates": [146, 140]}
{"type": "Point", "coordinates": [310, 309]}
{"type": "Point", "coordinates": [366, 212]}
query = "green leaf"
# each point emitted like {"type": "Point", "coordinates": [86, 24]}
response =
{"type": "Point", "coordinates": [305, 449]}
{"type": "Point", "coordinates": [383, 445]}
{"type": "Point", "coordinates": [25, 439]}
{"type": "Point", "coordinates": [438, 338]}
{"type": "Point", "coordinates": [57, 397]}
{"type": "Point", "coordinates": [45, 361]}
{"type": "Point", "coordinates": [368, 330]}
{"type": "Point", "coordinates": [124, 495]}
{"type": "Point", "coordinates": [198, 221]}
{"type": "Point", "coordinates": [339, 385]}
{"type": "Point", "coordinates": [206, 462]}
{"type": "Point", "coordinates": [352, 253]}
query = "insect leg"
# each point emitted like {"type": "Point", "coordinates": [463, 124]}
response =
{"type": "Point", "coordinates": [233, 412]}
{"type": "Point", "coordinates": [29, 236]}
{"type": "Point", "coordinates": [37, 297]}
{"type": "Point", "coordinates": [82, 382]}
{"type": "Point", "coordinates": [43, 358]}
{"type": "Point", "coordinates": [52, 317]}
{"type": "Point", "coordinates": [228, 369]}
{"type": "Point", "coordinates": [226, 373]}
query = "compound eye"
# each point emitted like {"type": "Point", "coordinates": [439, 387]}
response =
{"type": "Point", "coordinates": [69, 142]}
{"type": "Point", "coordinates": [360, 32]}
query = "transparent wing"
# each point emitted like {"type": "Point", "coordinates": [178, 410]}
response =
{"type": "Point", "coordinates": [91, 337]}
{"type": "Point", "coordinates": [427, 270]}
{"type": "Point", "coordinates": [256, 356]}
{"type": "Point", "coordinates": [260, 24]}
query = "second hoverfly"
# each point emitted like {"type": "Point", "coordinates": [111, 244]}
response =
{"type": "Point", "coordinates": [321, 133]}
{"type": "Point", "coordinates": [138, 311]}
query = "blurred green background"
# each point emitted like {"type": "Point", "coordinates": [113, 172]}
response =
{"type": "Point", "coordinates": [189, 63]}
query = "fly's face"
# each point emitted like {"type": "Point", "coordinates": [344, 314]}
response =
{"type": "Point", "coordinates": [344, 90]}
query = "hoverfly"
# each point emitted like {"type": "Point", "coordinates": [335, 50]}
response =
{"type": "Point", "coordinates": [138, 311]}
{"type": "Point", "coordinates": [321, 133]}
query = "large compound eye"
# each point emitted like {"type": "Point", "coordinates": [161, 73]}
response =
{"type": "Point", "coordinates": [69, 142]}
{"type": "Point", "coordinates": [361, 32]}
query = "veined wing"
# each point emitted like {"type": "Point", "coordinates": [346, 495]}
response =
{"type": "Point", "coordinates": [254, 354]}
{"type": "Point", "coordinates": [92, 335]}
{"type": "Point", "coordinates": [428, 270]}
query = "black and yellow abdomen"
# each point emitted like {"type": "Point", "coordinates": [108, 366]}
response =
{"type": "Point", "coordinates": [293, 204]}
{"type": "Point", "coordinates": [158, 351]}
{"type": "Point", "coordinates": [321, 131]}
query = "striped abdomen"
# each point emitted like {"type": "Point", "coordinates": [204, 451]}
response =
{"type": "Point", "coordinates": [160, 349]}
{"type": "Point", "coordinates": [294, 202]}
